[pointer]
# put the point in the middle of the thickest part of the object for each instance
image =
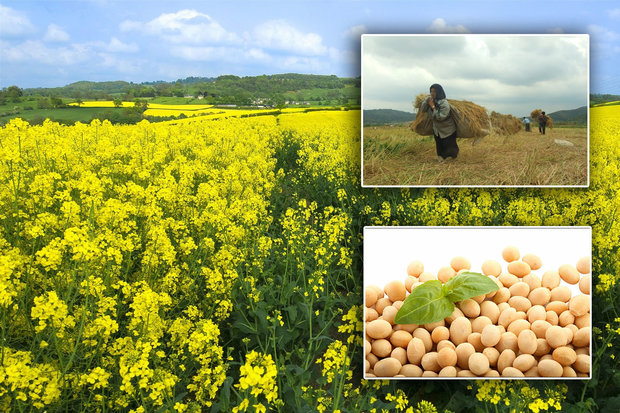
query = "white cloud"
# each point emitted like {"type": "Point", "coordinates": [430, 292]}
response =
{"type": "Point", "coordinates": [439, 25]}
{"type": "Point", "coordinates": [117, 46]}
{"type": "Point", "coordinates": [354, 32]}
{"type": "Point", "coordinates": [280, 35]}
{"type": "Point", "coordinates": [36, 51]}
{"type": "Point", "coordinates": [219, 53]}
{"type": "Point", "coordinates": [556, 30]}
{"type": "Point", "coordinates": [614, 13]}
{"type": "Point", "coordinates": [183, 27]}
{"type": "Point", "coordinates": [14, 23]}
{"type": "Point", "coordinates": [55, 34]}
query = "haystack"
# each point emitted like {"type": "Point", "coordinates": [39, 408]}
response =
{"type": "Point", "coordinates": [471, 120]}
{"type": "Point", "coordinates": [505, 124]}
{"type": "Point", "coordinates": [536, 113]}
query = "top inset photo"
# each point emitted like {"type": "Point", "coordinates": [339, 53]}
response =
{"type": "Point", "coordinates": [475, 110]}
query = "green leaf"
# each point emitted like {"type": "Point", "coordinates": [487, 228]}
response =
{"type": "Point", "coordinates": [468, 285]}
{"type": "Point", "coordinates": [426, 304]}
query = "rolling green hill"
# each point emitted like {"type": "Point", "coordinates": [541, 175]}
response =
{"type": "Point", "coordinates": [386, 116]}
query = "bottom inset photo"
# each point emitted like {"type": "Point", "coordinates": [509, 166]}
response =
{"type": "Point", "coordinates": [477, 302]}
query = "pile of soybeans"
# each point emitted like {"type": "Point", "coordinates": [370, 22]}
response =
{"type": "Point", "coordinates": [532, 326]}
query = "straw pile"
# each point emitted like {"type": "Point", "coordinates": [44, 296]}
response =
{"type": "Point", "coordinates": [536, 113]}
{"type": "Point", "coordinates": [505, 124]}
{"type": "Point", "coordinates": [471, 120]}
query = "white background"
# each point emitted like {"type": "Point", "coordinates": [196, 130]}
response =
{"type": "Point", "coordinates": [388, 250]}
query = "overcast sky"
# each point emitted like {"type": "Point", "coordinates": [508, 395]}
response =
{"type": "Point", "coordinates": [505, 73]}
{"type": "Point", "coordinates": [55, 42]}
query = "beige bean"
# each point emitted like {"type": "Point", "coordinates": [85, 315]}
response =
{"type": "Point", "coordinates": [508, 280]}
{"type": "Point", "coordinates": [527, 342]}
{"type": "Point", "coordinates": [400, 338]}
{"type": "Point", "coordinates": [366, 366]}
{"type": "Point", "coordinates": [415, 350]}
{"type": "Point", "coordinates": [395, 290]}
{"type": "Point", "coordinates": [579, 305]}
{"type": "Point", "coordinates": [455, 314]}
{"type": "Point", "coordinates": [557, 306]}
{"type": "Point", "coordinates": [583, 321]}
{"type": "Point", "coordinates": [460, 329]}
{"type": "Point", "coordinates": [542, 347]}
{"type": "Point", "coordinates": [519, 289]}
{"type": "Point", "coordinates": [415, 268]}
{"type": "Point", "coordinates": [440, 333]}
{"type": "Point", "coordinates": [371, 314]}
{"type": "Point", "coordinates": [550, 368]}
{"type": "Point", "coordinates": [399, 354]}
{"type": "Point", "coordinates": [425, 336]}
{"type": "Point", "coordinates": [539, 296]}
{"type": "Point", "coordinates": [566, 318]}
{"type": "Point", "coordinates": [429, 362]}
{"type": "Point", "coordinates": [550, 279]}
{"type": "Point", "coordinates": [389, 313]}
{"type": "Point", "coordinates": [561, 293]}
{"type": "Point", "coordinates": [524, 362]}
{"type": "Point", "coordinates": [429, 374]}
{"type": "Point", "coordinates": [409, 281]}
{"type": "Point", "coordinates": [517, 326]}
{"type": "Point", "coordinates": [490, 335]}
{"type": "Point", "coordinates": [463, 351]}
{"type": "Point", "coordinates": [381, 348]}
{"type": "Point", "coordinates": [379, 329]}
{"type": "Point", "coordinates": [501, 296]}
{"type": "Point", "coordinates": [492, 354]}
{"type": "Point", "coordinates": [584, 284]}
{"type": "Point", "coordinates": [539, 327]}
{"type": "Point", "coordinates": [446, 357]}
{"type": "Point", "coordinates": [406, 327]}
{"type": "Point", "coordinates": [410, 370]}
{"type": "Point", "coordinates": [564, 355]}
{"type": "Point", "coordinates": [388, 367]}
{"type": "Point", "coordinates": [532, 280]}
{"type": "Point", "coordinates": [448, 371]}
{"type": "Point", "coordinates": [478, 324]}
{"type": "Point", "coordinates": [520, 303]}
{"type": "Point", "coordinates": [445, 343]}
{"type": "Point", "coordinates": [533, 261]}
{"type": "Point", "coordinates": [445, 274]}
{"type": "Point", "coordinates": [491, 267]}
{"type": "Point", "coordinates": [505, 359]}
{"type": "Point", "coordinates": [475, 339]}
{"type": "Point", "coordinates": [381, 304]}
{"type": "Point", "coordinates": [510, 254]}
{"type": "Point", "coordinates": [470, 308]}
{"type": "Point", "coordinates": [372, 359]}
{"type": "Point", "coordinates": [582, 364]}
{"type": "Point", "coordinates": [519, 268]}
{"type": "Point", "coordinates": [535, 313]}
{"type": "Point", "coordinates": [507, 316]}
{"type": "Point", "coordinates": [583, 265]}
{"type": "Point", "coordinates": [512, 372]}
{"type": "Point", "coordinates": [507, 341]}
{"type": "Point", "coordinates": [582, 337]}
{"type": "Point", "coordinates": [503, 307]}
{"type": "Point", "coordinates": [490, 310]}
{"type": "Point", "coordinates": [460, 263]}
{"type": "Point", "coordinates": [465, 373]}
{"type": "Point", "coordinates": [568, 332]}
{"type": "Point", "coordinates": [569, 273]}
{"type": "Point", "coordinates": [371, 296]}
{"type": "Point", "coordinates": [568, 371]}
{"type": "Point", "coordinates": [478, 364]}
{"type": "Point", "coordinates": [533, 372]}
{"type": "Point", "coordinates": [556, 337]}
{"type": "Point", "coordinates": [552, 318]}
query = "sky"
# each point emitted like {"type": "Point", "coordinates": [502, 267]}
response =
{"type": "Point", "coordinates": [505, 73]}
{"type": "Point", "coordinates": [52, 43]}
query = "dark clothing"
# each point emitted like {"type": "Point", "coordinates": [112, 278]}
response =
{"type": "Point", "coordinates": [542, 123]}
{"type": "Point", "coordinates": [527, 127]}
{"type": "Point", "coordinates": [447, 147]}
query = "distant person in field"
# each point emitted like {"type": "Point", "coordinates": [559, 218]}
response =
{"type": "Point", "coordinates": [444, 127]}
{"type": "Point", "coordinates": [542, 123]}
{"type": "Point", "coordinates": [526, 120]}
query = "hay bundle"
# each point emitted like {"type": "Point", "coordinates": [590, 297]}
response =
{"type": "Point", "coordinates": [536, 113]}
{"type": "Point", "coordinates": [505, 124]}
{"type": "Point", "coordinates": [471, 120]}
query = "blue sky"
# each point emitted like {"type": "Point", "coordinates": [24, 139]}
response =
{"type": "Point", "coordinates": [52, 43]}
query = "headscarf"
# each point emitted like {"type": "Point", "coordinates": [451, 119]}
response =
{"type": "Point", "coordinates": [439, 93]}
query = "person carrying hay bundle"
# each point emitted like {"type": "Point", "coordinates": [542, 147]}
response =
{"type": "Point", "coordinates": [444, 126]}
{"type": "Point", "coordinates": [542, 122]}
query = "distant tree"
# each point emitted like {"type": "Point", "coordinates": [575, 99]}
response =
{"type": "Point", "coordinates": [79, 102]}
{"type": "Point", "coordinates": [56, 102]}
{"type": "Point", "coordinates": [118, 102]}
{"type": "Point", "coordinates": [14, 93]}
{"type": "Point", "coordinates": [141, 104]}
{"type": "Point", "coordinates": [43, 103]}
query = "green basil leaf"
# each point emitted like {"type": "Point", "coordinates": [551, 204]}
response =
{"type": "Point", "coordinates": [426, 304]}
{"type": "Point", "coordinates": [468, 285]}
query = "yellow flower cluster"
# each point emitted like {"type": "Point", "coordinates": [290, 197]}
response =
{"type": "Point", "coordinates": [258, 375]}
{"type": "Point", "coordinates": [51, 311]}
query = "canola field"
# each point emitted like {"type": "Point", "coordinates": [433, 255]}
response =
{"type": "Point", "coordinates": [215, 265]}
